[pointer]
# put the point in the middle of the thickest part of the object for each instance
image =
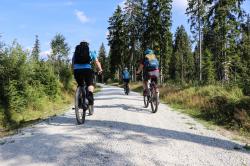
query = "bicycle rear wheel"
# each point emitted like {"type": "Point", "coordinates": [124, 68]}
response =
{"type": "Point", "coordinates": [154, 101]}
{"type": "Point", "coordinates": [79, 111]}
{"type": "Point", "coordinates": [146, 101]}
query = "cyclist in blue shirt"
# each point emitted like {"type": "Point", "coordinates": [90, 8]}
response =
{"type": "Point", "coordinates": [83, 71]}
{"type": "Point", "coordinates": [126, 76]}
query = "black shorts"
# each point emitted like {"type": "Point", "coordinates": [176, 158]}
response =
{"type": "Point", "coordinates": [147, 77]}
{"type": "Point", "coordinates": [84, 75]}
{"type": "Point", "coordinates": [126, 80]}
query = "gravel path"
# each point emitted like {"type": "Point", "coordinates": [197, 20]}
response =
{"type": "Point", "coordinates": [121, 132]}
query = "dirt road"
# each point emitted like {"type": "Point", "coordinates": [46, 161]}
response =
{"type": "Point", "coordinates": [121, 132]}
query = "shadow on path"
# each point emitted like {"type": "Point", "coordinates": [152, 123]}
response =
{"type": "Point", "coordinates": [160, 133]}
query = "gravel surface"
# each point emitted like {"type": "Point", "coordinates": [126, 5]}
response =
{"type": "Point", "coordinates": [121, 132]}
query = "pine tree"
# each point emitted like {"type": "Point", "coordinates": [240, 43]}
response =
{"type": "Point", "coordinates": [116, 41]}
{"type": "Point", "coordinates": [245, 49]}
{"type": "Point", "coordinates": [182, 62]}
{"type": "Point", "coordinates": [134, 20]}
{"type": "Point", "coordinates": [103, 60]}
{"type": "Point", "coordinates": [157, 32]}
{"type": "Point", "coordinates": [60, 49]}
{"type": "Point", "coordinates": [196, 12]}
{"type": "Point", "coordinates": [223, 21]}
{"type": "Point", "coordinates": [60, 59]}
{"type": "Point", "coordinates": [208, 68]}
{"type": "Point", "coordinates": [36, 50]}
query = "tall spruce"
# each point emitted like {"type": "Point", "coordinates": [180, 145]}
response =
{"type": "Point", "coordinates": [36, 50]}
{"type": "Point", "coordinates": [134, 20]}
{"type": "Point", "coordinates": [102, 57]}
{"type": "Point", "coordinates": [60, 59]}
{"type": "Point", "coordinates": [223, 22]}
{"type": "Point", "coordinates": [116, 41]}
{"type": "Point", "coordinates": [182, 62]}
{"type": "Point", "coordinates": [208, 68]}
{"type": "Point", "coordinates": [157, 33]}
{"type": "Point", "coordinates": [60, 48]}
{"type": "Point", "coordinates": [196, 13]}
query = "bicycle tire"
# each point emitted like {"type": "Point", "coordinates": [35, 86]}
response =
{"type": "Point", "coordinates": [79, 111]}
{"type": "Point", "coordinates": [146, 101]}
{"type": "Point", "coordinates": [154, 99]}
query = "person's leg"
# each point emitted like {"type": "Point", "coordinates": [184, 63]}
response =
{"type": "Point", "coordinates": [124, 83]}
{"type": "Point", "coordinates": [78, 77]}
{"type": "Point", "coordinates": [155, 79]}
{"type": "Point", "coordinates": [145, 83]}
{"type": "Point", "coordinates": [89, 79]}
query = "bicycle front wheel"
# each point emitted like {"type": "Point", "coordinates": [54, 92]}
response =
{"type": "Point", "coordinates": [79, 111]}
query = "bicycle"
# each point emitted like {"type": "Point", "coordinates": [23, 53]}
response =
{"type": "Point", "coordinates": [126, 89]}
{"type": "Point", "coordinates": [152, 97]}
{"type": "Point", "coordinates": [81, 104]}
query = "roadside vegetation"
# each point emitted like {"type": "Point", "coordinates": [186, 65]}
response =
{"type": "Point", "coordinates": [32, 88]}
{"type": "Point", "coordinates": [223, 106]}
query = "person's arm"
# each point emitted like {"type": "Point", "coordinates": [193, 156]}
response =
{"type": "Point", "coordinates": [96, 61]}
{"type": "Point", "coordinates": [98, 65]}
{"type": "Point", "coordinates": [73, 59]}
{"type": "Point", "coordinates": [140, 69]}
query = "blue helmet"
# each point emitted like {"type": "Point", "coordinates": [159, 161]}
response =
{"type": "Point", "coordinates": [148, 51]}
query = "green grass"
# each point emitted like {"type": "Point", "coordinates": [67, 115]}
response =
{"type": "Point", "coordinates": [42, 109]}
{"type": "Point", "coordinates": [211, 105]}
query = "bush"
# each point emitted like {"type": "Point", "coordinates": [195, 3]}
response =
{"type": "Point", "coordinates": [246, 88]}
{"type": "Point", "coordinates": [28, 84]}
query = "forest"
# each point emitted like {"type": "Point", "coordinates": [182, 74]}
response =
{"type": "Point", "coordinates": [207, 72]}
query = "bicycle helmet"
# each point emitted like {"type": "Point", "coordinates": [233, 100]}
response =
{"type": "Point", "coordinates": [148, 51]}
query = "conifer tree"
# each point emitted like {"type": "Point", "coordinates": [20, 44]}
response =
{"type": "Point", "coordinates": [36, 50]}
{"type": "Point", "coordinates": [182, 62]}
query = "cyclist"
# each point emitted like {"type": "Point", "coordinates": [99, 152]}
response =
{"type": "Point", "coordinates": [83, 71]}
{"type": "Point", "coordinates": [126, 77]}
{"type": "Point", "coordinates": [150, 67]}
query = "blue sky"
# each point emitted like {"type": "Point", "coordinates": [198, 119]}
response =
{"type": "Point", "coordinates": [75, 19]}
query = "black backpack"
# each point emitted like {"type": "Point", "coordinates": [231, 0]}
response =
{"type": "Point", "coordinates": [81, 55]}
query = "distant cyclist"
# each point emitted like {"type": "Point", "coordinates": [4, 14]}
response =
{"type": "Point", "coordinates": [150, 67]}
{"type": "Point", "coordinates": [83, 71]}
{"type": "Point", "coordinates": [126, 77]}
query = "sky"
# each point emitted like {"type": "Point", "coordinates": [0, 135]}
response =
{"type": "Point", "coordinates": [77, 20]}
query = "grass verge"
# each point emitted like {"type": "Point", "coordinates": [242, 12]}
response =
{"type": "Point", "coordinates": [212, 105]}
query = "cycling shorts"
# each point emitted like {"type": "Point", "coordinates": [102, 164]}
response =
{"type": "Point", "coordinates": [84, 76]}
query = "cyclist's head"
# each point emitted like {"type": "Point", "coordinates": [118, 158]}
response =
{"type": "Point", "coordinates": [148, 51]}
{"type": "Point", "coordinates": [156, 47]}
{"type": "Point", "coordinates": [125, 68]}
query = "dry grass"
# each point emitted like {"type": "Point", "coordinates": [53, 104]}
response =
{"type": "Point", "coordinates": [226, 106]}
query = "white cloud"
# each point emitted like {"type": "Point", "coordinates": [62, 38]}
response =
{"type": "Point", "coordinates": [81, 16]}
{"type": "Point", "coordinates": [44, 54]}
{"type": "Point", "coordinates": [180, 4]}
